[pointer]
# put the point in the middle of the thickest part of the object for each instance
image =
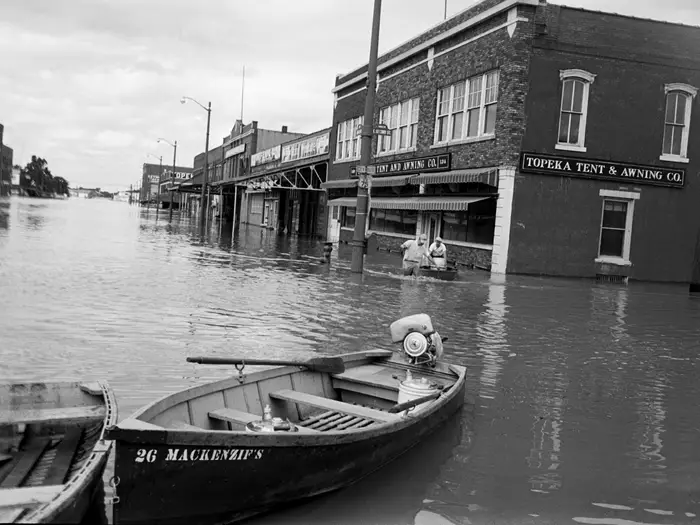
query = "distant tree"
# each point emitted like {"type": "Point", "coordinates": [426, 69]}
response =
{"type": "Point", "coordinates": [36, 178]}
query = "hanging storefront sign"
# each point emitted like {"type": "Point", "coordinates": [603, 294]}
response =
{"type": "Point", "coordinates": [601, 169]}
{"type": "Point", "coordinates": [418, 165]}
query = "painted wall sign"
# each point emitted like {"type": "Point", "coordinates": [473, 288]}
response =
{"type": "Point", "coordinates": [306, 148]}
{"type": "Point", "coordinates": [601, 169]}
{"type": "Point", "coordinates": [421, 164]}
{"type": "Point", "coordinates": [153, 178]}
{"type": "Point", "coordinates": [235, 151]}
{"type": "Point", "coordinates": [195, 454]}
{"type": "Point", "coordinates": [265, 156]}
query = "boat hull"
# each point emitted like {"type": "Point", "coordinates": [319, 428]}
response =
{"type": "Point", "coordinates": [447, 274]}
{"type": "Point", "coordinates": [204, 478]}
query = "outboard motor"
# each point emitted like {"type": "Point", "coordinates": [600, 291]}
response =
{"type": "Point", "coordinates": [421, 343]}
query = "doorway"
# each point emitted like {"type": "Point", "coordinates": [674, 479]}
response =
{"type": "Point", "coordinates": [431, 226]}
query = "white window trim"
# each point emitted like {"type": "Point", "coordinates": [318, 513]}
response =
{"type": "Point", "coordinates": [588, 79]}
{"type": "Point", "coordinates": [482, 115]}
{"type": "Point", "coordinates": [692, 92]}
{"type": "Point", "coordinates": [341, 159]}
{"type": "Point", "coordinates": [395, 107]}
{"type": "Point", "coordinates": [630, 197]}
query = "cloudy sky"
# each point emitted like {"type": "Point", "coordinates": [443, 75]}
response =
{"type": "Point", "coordinates": [91, 84]}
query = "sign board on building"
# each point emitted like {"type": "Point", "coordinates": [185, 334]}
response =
{"type": "Point", "coordinates": [601, 169]}
{"type": "Point", "coordinates": [235, 151]}
{"type": "Point", "coordinates": [418, 165]}
{"type": "Point", "coordinates": [266, 156]}
{"type": "Point", "coordinates": [153, 178]}
{"type": "Point", "coordinates": [306, 148]}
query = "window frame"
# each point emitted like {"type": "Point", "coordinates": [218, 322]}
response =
{"type": "Point", "coordinates": [587, 79]}
{"type": "Point", "coordinates": [628, 198]}
{"type": "Point", "coordinates": [464, 110]}
{"type": "Point", "coordinates": [396, 112]}
{"type": "Point", "coordinates": [343, 141]}
{"type": "Point", "coordinates": [690, 92]}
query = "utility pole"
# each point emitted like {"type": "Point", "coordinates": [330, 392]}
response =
{"type": "Point", "coordinates": [205, 205]}
{"type": "Point", "coordinates": [131, 193]}
{"type": "Point", "coordinates": [364, 178]}
{"type": "Point", "coordinates": [172, 178]}
{"type": "Point", "coordinates": [160, 178]}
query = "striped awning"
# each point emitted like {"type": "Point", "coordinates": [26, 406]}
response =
{"type": "Point", "coordinates": [427, 203]}
{"type": "Point", "coordinates": [341, 183]}
{"type": "Point", "coordinates": [349, 202]}
{"type": "Point", "coordinates": [396, 180]}
{"type": "Point", "coordinates": [484, 175]}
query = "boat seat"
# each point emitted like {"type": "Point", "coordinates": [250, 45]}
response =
{"type": "Point", "coordinates": [336, 406]}
{"type": "Point", "coordinates": [181, 425]}
{"type": "Point", "coordinates": [53, 415]}
{"type": "Point", "coordinates": [65, 451]}
{"type": "Point", "coordinates": [23, 463]}
{"type": "Point", "coordinates": [371, 375]}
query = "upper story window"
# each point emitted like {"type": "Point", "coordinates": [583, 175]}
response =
{"type": "Point", "coordinates": [679, 100]}
{"type": "Point", "coordinates": [348, 147]}
{"type": "Point", "coordinates": [573, 112]}
{"type": "Point", "coordinates": [467, 109]}
{"type": "Point", "coordinates": [402, 121]}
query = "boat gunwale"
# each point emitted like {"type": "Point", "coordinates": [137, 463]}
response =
{"type": "Point", "coordinates": [93, 464]}
{"type": "Point", "coordinates": [210, 437]}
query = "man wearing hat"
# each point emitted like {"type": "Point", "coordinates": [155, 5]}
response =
{"type": "Point", "coordinates": [413, 254]}
{"type": "Point", "coordinates": [438, 251]}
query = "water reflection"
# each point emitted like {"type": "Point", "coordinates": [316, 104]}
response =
{"type": "Point", "coordinates": [492, 339]}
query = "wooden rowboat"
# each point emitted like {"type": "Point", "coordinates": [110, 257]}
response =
{"type": "Point", "coordinates": [199, 456]}
{"type": "Point", "coordinates": [52, 450]}
{"type": "Point", "coordinates": [444, 274]}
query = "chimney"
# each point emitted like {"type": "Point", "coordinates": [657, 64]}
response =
{"type": "Point", "coordinates": [284, 129]}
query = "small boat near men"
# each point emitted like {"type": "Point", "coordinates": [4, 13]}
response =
{"type": "Point", "coordinates": [448, 273]}
{"type": "Point", "coordinates": [52, 450]}
{"type": "Point", "coordinates": [227, 450]}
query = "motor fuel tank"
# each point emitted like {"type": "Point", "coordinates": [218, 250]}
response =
{"type": "Point", "coordinates": [420, 323]}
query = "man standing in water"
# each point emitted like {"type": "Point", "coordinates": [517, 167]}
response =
{"type": "Point", "coordinates": [413, 253]}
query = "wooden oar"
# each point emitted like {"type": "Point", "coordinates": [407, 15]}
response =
{"type": "Point", "coordinates": [329, 365]}
{"type": "Point", "coordinates": [413, 402]}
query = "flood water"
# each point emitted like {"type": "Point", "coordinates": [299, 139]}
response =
{"type": "Point", "coordinates": [582, 399]}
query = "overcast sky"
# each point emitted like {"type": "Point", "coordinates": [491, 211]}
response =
{"type": "Point", "coordinates": [91, 84]}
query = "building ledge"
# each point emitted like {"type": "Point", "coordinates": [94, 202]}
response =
{"type": "Point", "coordinates": [396, 152]}
{"type": "Point", "coordinates": [616, 261]}
{"type": "Point", "coordinates": [674, 158]}
{"type": "Point", "coordinates": [469, 140]}
{"type": "Point", "coordinates": [570, 147]}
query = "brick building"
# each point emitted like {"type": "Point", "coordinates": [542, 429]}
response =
{"type": "Point", "coordinates": [608, 181]}
{"type": "Point", "coordinates": [532, 137]}
{"type": "Point", "coordinates": [452, 99]}
{"type": "Point", "coordinates": [152, 174]}
{"type": "Point", "coordinates": [283, 189]}
{"type": "Point", "coordinates": [5, 165]}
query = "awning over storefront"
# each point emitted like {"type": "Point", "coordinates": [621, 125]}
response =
{"type": "Point", "coordinates": [341, 183]}
{"type": "Point", "coordinates": [484, 175]}
{"type": "Point", "coordinates": [396, 180]}
{"type": "Point", "coordinates": [427, 203]}
{"type": "Point", "coordinates": [349, 202]}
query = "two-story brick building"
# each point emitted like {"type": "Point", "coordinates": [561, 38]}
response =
{"type": "Point", "coordinates": [608, 180]}
{"type": "Point", "coordinates": [452, 99]}
{"type": "Point", "coordinates": [532, 137]}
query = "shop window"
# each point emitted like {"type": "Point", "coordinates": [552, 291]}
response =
{"type": "Point", "coordinates": [467, 109]}
{"type": "Point", "coordinates": [476, 225]}
{"type": "Point", "coordinates": [348, 142]}
{"type": "Point", "coordinates": [616, 225]}
{"type": "Point", "coordinates": [347, 217]}
{"type": "Point", "coordinates": [573, 112]}
{"type": "Point", "coordinates": [679, 100]}
{"type": "Point", "coordinates": [402, 121]}
{"type": "Point", "coordinates": [393, 221]}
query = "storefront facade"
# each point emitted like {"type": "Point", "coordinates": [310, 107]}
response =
{"type": "Point", "coordinates": [450, 102]}
{"type": "Point", "coordinates": [608, 185]}
{"type": "Point", "coordinates": [283, 191]}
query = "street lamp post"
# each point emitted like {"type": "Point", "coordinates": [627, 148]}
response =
{"type": "Point", "coordinates": [204, 213]}
{"type": "Point", "coordinates": [172, 175]}
{"type": "Point", "coordinates": [358, 248]}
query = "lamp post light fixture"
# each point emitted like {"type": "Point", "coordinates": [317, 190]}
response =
{"type": "Point", "coordinates": [172, 175]}
{"type": "Point", "coordinates": [204, 209]}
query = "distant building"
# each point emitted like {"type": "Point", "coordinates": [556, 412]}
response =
{"type": "Point", "coordinates": [152, 174]}
{"type": "Point", "coordinates": [5, 165]}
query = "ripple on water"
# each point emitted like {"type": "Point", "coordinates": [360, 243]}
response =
{"type": "Point", "coordinates": [577, 392]}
